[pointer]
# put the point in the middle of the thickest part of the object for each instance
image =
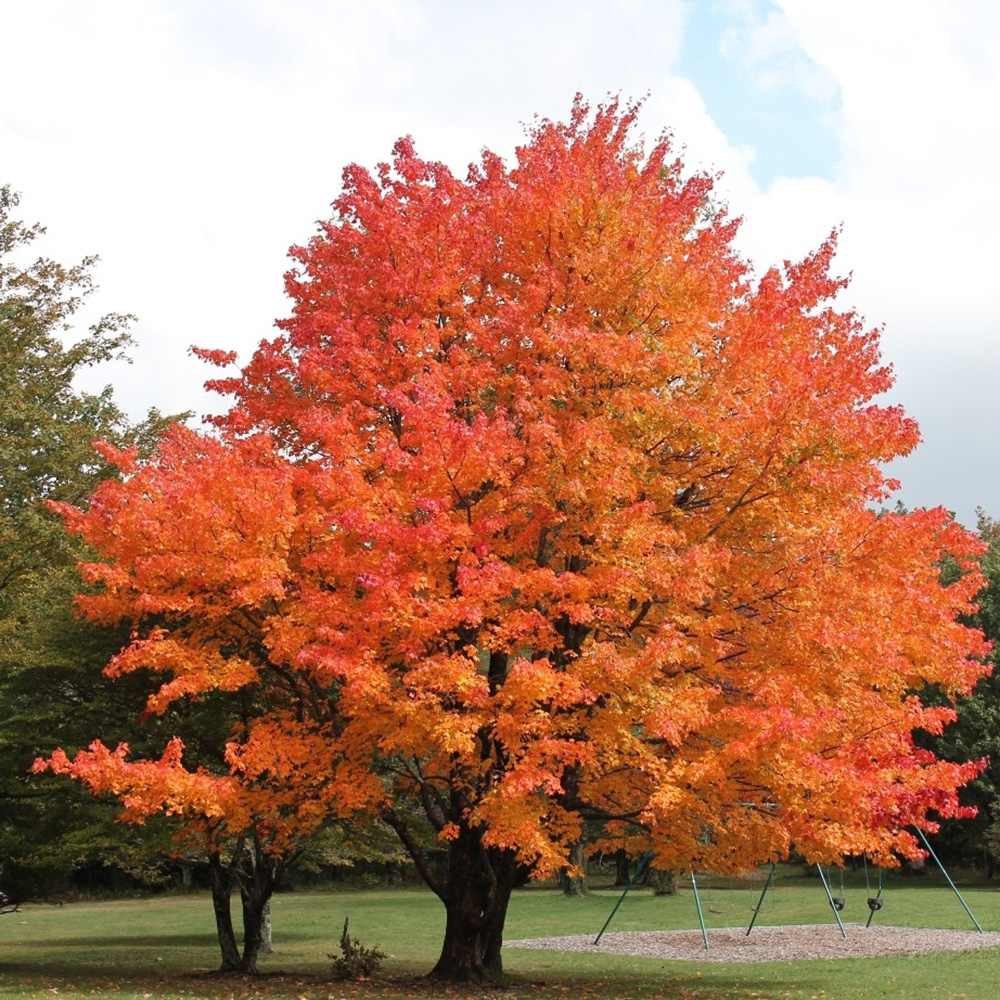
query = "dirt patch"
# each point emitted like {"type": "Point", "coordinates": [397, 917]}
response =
{"type": "Point", "coordinates": [770, 944]}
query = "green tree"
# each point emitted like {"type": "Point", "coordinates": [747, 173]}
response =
{"type": "Point", "coordinates": [51, 687]}
{"type": "Point", "coordinates": [976, 733]}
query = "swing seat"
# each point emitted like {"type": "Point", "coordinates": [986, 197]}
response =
{"type": "Point", "coordinates": [874, 904]}
{"type": "Point", "coordinates": [839, 903]}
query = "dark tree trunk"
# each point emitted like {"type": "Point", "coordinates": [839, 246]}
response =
{"type": "Point", "coordinates": [575, 883]}
{"type": "Point", "coordinates": [664, 881]}
{"type": "Point", "coordinates": [476, 896]}
{"type": "Point", "coordinates": [621, 868]}
{"type": "Point", "coordinates": [253, 913]}
{"type": "Point", "coordinates": [473, 939]}
{"type": "Point", "coordinates": [493, 938]}
{"type": "Point", "coordinates": [463, 954]}
{"type": "Point", "coordinates": [222, 888]}
{"type": "Point", "coordinates": [256, 887]}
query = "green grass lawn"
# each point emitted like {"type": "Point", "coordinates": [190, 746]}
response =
{"type": "Point", "coordinates": [165, 947]}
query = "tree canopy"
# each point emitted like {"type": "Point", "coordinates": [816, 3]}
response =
{"type": "Point", "coordinates": [543, 508]}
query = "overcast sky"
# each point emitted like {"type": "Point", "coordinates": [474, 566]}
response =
{"type": "Point", "coordinates": [190, 143]}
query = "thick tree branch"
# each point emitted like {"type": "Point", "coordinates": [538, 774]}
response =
{"type": "Point", "coordinates": [413, 849]}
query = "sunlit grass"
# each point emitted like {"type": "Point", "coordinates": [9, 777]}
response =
{"type": "Point", "coordinates": [165, 947]}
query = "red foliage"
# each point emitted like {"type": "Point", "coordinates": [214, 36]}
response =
{"type": "Point", "coordinates": [541, 507]}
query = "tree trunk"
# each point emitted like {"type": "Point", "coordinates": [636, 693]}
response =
{"type": "Point", "coordinates": [664, 882]}
{"type": "Point", "coordinates": [463, 954]}
{"type": "Point", "coordinates": [575, 883]}
{"type": "Point", "coordinates": [493, 938]}
{"type": "Point", "coordinates": [266, 943]}
{"type": "Point", "coordinates": [222, 888]}
{"type": "Point", "coordinates": [253, 915]}
{"type": "Point", "coordinates": [255, 892]}
{"type": "Point", "coordinates": [476, 896]}
{"type": "Point", "coordinates": [621, 868]}
{"type": "Point", "coordinates": [473, 940]}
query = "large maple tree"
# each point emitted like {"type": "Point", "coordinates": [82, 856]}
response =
{"type": "Point", "coordinates": [544, 508]}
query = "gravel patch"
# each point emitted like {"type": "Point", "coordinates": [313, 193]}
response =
{"type": "Point", "coordinates": [769, 944]}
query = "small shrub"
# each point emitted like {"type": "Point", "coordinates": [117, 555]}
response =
{"type": "Point", "coordinates": [355, 961]}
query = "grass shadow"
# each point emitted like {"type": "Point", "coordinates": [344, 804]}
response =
{"type": "Point", "coordinates": [202, 940]}
{"type": "Point", "coordinates": [108, 979]}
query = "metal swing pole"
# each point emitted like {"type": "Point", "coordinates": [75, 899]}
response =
{"type": "Point", "coordinates": [640, 869]}
{"type": "Point", "coordinates": [878, 897]}
{"type": "Point", "coordinates": [760, 902]}
{"type": "Point", "coordinates": [954, 888]}
{"type": "Point", "coordinates": [829, 897]}
{"type": "Point", "coordinates": [868, 889]}
{"type": "Point", "coordinates": [701, 915]}
{"type": "Point", "coordinates": [621, 899]}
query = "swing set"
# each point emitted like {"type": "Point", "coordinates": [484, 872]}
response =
{"type": "Point", "coordinates": [837, 903]}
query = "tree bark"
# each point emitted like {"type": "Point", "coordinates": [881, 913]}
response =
{"type": "Point", "coordinates": [621, 868]}
{"type": "Point", "coordinates": [256, 887]}
{"type": "Point", "coordinates": [575, 884]}
{"type": "Point", "coordinates": [253, 912]}
{"type": "Point", "coordinates": [222, 888]}
{"type": "Point", "coordinates": [477, 893]}
{"type": "Point", "coordinates": [477, 883]}
{"type": "Point", "coordinates": [493, 939]}
{"type": "Point", "coordinates": [664, 881]}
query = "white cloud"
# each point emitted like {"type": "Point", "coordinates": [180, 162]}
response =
{"type": "Point", "coordinates": [189, 144]}
{"type": "Point", "coordinates": [921, 141]}
{"type": "Point", "coordinates": [921, 206]}
{"type": "Point", "coordinates": [764, 41]}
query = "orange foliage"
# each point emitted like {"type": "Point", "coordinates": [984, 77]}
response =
{"type": "Point", "coordinates": [542, 507]}
{"type": "Point", "coordinates": [278, 788]}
